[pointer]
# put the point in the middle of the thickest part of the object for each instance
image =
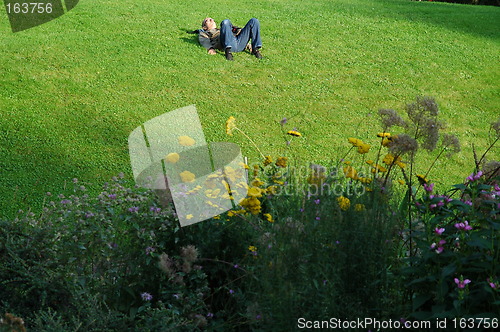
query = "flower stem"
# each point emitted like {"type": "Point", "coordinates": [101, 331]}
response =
{"type": "Point", "coordinates": [251, 141]}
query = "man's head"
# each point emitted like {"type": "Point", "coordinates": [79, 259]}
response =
{"type": "Point", "coordinates": [208, 24]}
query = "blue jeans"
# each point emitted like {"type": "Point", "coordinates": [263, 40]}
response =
{"type": "Point", "coordinates": [239, 42]}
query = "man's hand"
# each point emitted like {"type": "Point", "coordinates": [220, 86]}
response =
{"type": "Point", "coordinates": [212, 51]}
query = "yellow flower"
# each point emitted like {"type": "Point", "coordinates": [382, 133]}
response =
{"type": "Point", "coordinates": [254, 192]}
{"type": "Point", "coordinates": [401, 164]}
{"type": "Point", "coordinates": [230, 125]}
{"type": "Point", "coordinates": [359, 207]}
{"type": "Point", "coordinates": [189, 216]}
{"type": "Point", "coordinates": [344, 203]}
{"type": "Point", "coordinates": [252, 248]}
{"type": "Point", "coordinates": [354, 141]}
{"type": "Point", "coordinates": [294, 133]}
{"type": "Point", "coordinates": [281, 162]}
{"type": "Point", "coordinates": [384, 135]}
{"type": "Point", "coordinates": [251, 204]}
{"type": "Point", "coordinates": [268, 217]}
{"type": "Point", "coordinates": [172, 158]}
{"type": "Point", "coordinates": [242, 164]}
{"type": "Point", "coordinates": [421, 178]}
{"type": "Point", "coordinates": [212, 193]}
{"type": "Point", "coordinates": [402, 182]}
{"type": "Point", "coordinates": [363, 148]}
{"type": "Point", "coordinates": [378, 168]}
{"type": "Point", "coordinates": [388, 159]}
{"type": "Point", "coordinates": [350, 172]}
{"type": "Point", "coordinates": [369, 162]}
{"type": "Point", "coordinates": [186, 141]}
{"type": "Point", "coordinates": [233, 174]}
{"type": "Point", "coordinates": [187, 176]}
{"type": "Point", "coordinates": [268, 160]}
{"type": "Point", "coordinates": [255, 170]}
{"type": "Point", "coordinates": [257, 182]}
{"type": "Point", "coordinates": [272, 190]}
{"type": "Point", "coordinates": [365, 180]}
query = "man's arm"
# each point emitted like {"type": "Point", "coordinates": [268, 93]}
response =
{"type": "Point", "coordinates": [208, 41]}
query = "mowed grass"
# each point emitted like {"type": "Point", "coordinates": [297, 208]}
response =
{"type": "Point", "coordinates": [73, 89]}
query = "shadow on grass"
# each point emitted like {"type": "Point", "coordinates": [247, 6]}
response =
{"type": "Point", "coordinates": [475, 20]}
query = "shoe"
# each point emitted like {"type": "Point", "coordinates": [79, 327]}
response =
{"type": "Point", "coordinates": [229, 55]}
{"type": "Point", "coordinates": [257, 54]}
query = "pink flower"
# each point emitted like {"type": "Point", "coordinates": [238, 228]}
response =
{"type": "Point", "coordinates": [462, 283]}
{"type": "Point", "coordinates": [429, 187]}
{"type": "Point", "coordinates": [438, 247]}
{"type": "Point", "coordinates": [474, 177]}
{"type": "Point", "coordinates": [464, 226]}
{"type": "Point", "coordinates": [439, 231]}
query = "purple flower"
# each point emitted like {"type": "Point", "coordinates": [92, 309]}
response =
{"type": "Point", "coordinates": [89, 215]}
{"type": "Point", "coordinates": [474, 177]}
{"type": "Point", "coordinates": [210, 315]}
{"type": "Point", "coordinates": [317, 201]}
{"type": "Point", "coordinates": [155, 209]}
{"type": "Point", "coordinates": [438, 247]}
{"type": "Point", "coordinates": [236, 266]}
{"type": "Point", "coordinates": [492, 284]}
{"type": "Point", "coordinates": [176, 296]}
{"type": "Point", "coordinates": [133, 209]}
{"type": "Point", "coordinates": [149, 250]}
{"type": "Point", "coordinates": [462, 283]}
{"type": "Point", "coordinates": [231, 291]}
{"type": "Point", "coordinates": [429, 187]}
{"type": "Point", "coordinates": [65, 201]}
{"type": "Point", "coordinates": [317, 218]}
{"type": "Point", "coordinates": [258, 317]}
{"type": "Point", "coordinates": [112, 196]}
{"type": "Point", "coordinates": [324, 282]}
{"type": "Point", "coordinates": [439, 231]}
{"type": "Point", "coordinates": [283, 121]}
{"type": "Point", "coordinates": [464, 226]}
{"type": "Point", "coordinates": [469, 202]}
{"type": "Point", "coordinates": [301, 210]}
{"type": "Point", "coordinates": [146, 296]}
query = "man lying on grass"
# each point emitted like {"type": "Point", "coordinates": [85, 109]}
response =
{"type": "Point", "coordinates": [230, 38]}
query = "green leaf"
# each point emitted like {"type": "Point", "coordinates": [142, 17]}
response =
{"type": "Point", "coordinates": [420, 300]}
{"type": "Point", "coordinates": [479, 242]}
{"type": "Point", "coordinates": [460, 186]}
{"type": "Point", "coordinates": [448, 270]}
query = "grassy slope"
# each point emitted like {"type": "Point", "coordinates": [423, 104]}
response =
{"type": "Point", "coordinates": [74, 88]}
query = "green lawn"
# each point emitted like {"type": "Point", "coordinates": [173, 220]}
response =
{"type": "Point", "coordinates": [73, 89]}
